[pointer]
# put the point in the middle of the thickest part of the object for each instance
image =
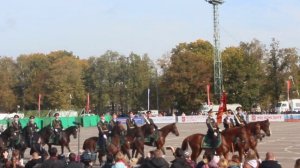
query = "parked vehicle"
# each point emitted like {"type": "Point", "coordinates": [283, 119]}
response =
{"type": "Point", "coordinates": [215, 108]}
{"type": "Point", "coordinates": [292, 105]}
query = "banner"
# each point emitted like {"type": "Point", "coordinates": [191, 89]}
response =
{"type": "Point", "coordinates": [164, 119]}
{"type": "Point", "coordinates": [262, 117]}
{"type": "Point", "coordinates": [222, 107]}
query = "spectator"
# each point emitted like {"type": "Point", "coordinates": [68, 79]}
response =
{"type": "Point", "coordinates": [251, 160]}
{"type": "Point", "coordinates": [16, 161]}
{"type": "Point", "coordinates": [157, 161]}
{"type": "Point", "coordinates": [3, 157]}
{"type": "Point", "coordinates": [179, 161]}
{"type": "Point", "coordinates": [189, 160]}
{"type": "Point", "coordinates": [234, 162]}
{"type": "Point", "coordinates": [73, 163]}
{"type": "Point", "coordinates": [204, 162]}
{"type": "Point", "coordinates": [53, 161]}
{"type": "Point", "coordinates": [297, 163]}
{"type": "Point", "coordinates": [223, 163]}
{"type": "Point", "coordinates": [120, 161]}
{"type": "Point", "coordinates": [270, 161]}
{"type": "Point", "coordinates": [34, 160]}
{"type": "Point", "coordinates": [214, 162]}
{"type": "Point", "coordinates": [37, 147]}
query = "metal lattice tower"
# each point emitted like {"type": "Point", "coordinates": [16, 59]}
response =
{"type": "Point", "coordinates": [217, 54]}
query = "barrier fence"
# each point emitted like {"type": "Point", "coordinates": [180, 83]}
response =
{"type": "Point", "coordinates": [91, 121]}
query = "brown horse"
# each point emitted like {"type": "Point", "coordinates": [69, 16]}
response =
{"type": "Point", "coordinates": [64, 139]}
{"type": "Point", "coordinates": [113, 145]}
{"type": "Point", "coordinates": [265, 126]}
{"type": "Point", "coordinates": [135, 140]}
{"type": "Point", "coordinates": [234, 136]}
{"type": "Point", "coordinates": [162, 134]}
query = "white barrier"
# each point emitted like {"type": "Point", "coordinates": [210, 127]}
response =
{"type": "Point", "coordinates": [271, 117]}
{"type": "Point", "coordinates": [164, 119]}
{"type": "Point", "coordinates": [191, 119]}
{"type": "Point", "coordinates": [10, 115]}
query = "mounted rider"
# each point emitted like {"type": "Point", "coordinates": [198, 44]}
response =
{"type": "Point", "coordinates": [213, 130]}
{"type": "Point", "coordinates": [239, 117]}
{"type": "Point", "coordinates": [113, 121]}
{"type": "Point", "coordinates": [130, 123]}
{"type": "Point", "coordinates": [16, 130]}
{"type": "Point", "coordinates": [149, 120]}
{"type": "Point", "coordinates": [32, 126]}
{"type": "Point", "coordinates": [228, 121]}
{"type": "Point", "coordinates": [57, 127]}
{"type": "Point", "coordinates": [103, 127]}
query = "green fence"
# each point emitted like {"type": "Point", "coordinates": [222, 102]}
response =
{"type": "Point", "coordinates": [86, 121]}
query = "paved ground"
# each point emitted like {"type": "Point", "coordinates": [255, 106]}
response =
{"type": "Point", "coordinates": [284, 141]}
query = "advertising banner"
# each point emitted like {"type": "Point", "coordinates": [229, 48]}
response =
{"type": "Point", "coordinates": [271, 117]}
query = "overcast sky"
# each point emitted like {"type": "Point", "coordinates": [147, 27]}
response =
{"type": "Point", "coordinates": [90, 27]}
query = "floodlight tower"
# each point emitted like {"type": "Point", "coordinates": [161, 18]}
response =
{"type": "Point", "coordinates": [217, 53]}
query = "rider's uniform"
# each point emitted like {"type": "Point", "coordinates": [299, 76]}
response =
{"type": "Point", "coordinates": [212, 131]}
{"type": "Point", "coordinates": [228, 122]}
{"type": "Point", "coordinates": [103, 131]}
{"type": "Point", "coordinates": [239, 119]}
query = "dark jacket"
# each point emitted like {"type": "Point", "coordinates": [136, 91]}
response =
{"type": "Point", "coordinates": [36, 147]}
{"type": "Point", "coordinates": [228, 122]}
{"type": "Point", "coordinates": [269, 164]}
{"type": "Point", "coordinates": [32, 163]}
{"type": "Point", "coordinates": [180, 163]}
{"type": "Point", "coordinates": [53, 163]}
{"type": "Point", "coordinates": [75, 165]}
{"type": "Point", "coordinates": [156, 163]}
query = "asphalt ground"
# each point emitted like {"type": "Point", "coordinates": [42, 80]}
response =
{"type": "Point", "coordinates": [284, 141]}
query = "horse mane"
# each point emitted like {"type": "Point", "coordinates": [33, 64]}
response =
{"type": "Point", "coordinates": [167, 126]}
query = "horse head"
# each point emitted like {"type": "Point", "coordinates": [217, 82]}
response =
{"type": "Point", "coordinates": [265, 126]}
{"type": "Point", "coordinates": [118, 129]}
{"type": "Point", "coordinates": [174, 129]}
{"type": "Point", "coordinates": [72, 131]}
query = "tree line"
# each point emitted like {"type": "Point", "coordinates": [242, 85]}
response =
{"type": "Point", "coordinates": [252, 73]}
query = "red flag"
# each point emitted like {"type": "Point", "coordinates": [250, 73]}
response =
{"type": "Point", "coordinates": [222, 107]}
{"type": "Point", "coordinates": [288, 85]}
{"type": "Point", "coordinates": [87, 108]}
{"type": "Point", "coordinates": [208, 91]}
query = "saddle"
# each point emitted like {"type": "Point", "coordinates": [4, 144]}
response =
{"type": "Point", "coordinates": [207, 142]}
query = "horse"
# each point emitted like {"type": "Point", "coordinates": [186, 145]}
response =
{"type": "Point", "coordinates": [163, 133]}
{"type": "Point", "coordinates": [64, 138]}
{"type": "Point", "coordinates": [135, 141]}
{"type": "Point", "coordinates": [17, 140]}
{"type": "Point", "coordinates": [113, 146]}
{"type": "Point", "coordinates": [233, 136]}
{"type": "Point", "coordinates": [265, 126]}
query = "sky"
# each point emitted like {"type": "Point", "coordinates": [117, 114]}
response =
{"type": "Point", "coordinates": [91, 27]}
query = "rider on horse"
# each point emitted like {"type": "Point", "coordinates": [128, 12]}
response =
{"type": "Point", "coordinates": [228, 121]}
{"type": "Point", "coordinates": [213, 130]}
{"type": "Point", "coordinates": [239, 117]}
{"type": "Point", "coordinates": [130, 123]}
{"type": "Point", "coordinates": [57, 127]}
{"type": "Point", "coordinates": [149, 120]}
{"type": "Point", "coordinates": [113, 121]}
{"type": "Point", "coordinates": [16, 129]}
{"type": "Point", "coordinates": [103, 126]}
{"type": "Point", "coordinates": [33, 128]}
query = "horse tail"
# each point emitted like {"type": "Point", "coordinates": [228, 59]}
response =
{"type": "Point", "coordinates": [185, 144]}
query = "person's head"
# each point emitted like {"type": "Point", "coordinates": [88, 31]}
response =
{"type": "Point", "coordinates": [270, 156]}
{"type": "Point", "coordinates": [157, 153]}
{"type": "Point", "coordinates": [16, 118]}
{"type": "Point", "coordinates": [251, 155]}
{"type": "Point", "coordinates": [72, 157]}
{"type": "Point", "coordinates": [235, 158]}
{"type": "Point", "coordinates": [223, 163]}
{"type": "Point", "coordinates": [4, 154]}
{"type": "Point", "coordinates": [114, 116]}
{"type": "Point", "coordinates": [187, 155]}
{"type": "Point", "coordinates": [297, 163]}
{"type": "Point", "coordinates": [31, 119]}
{"type": "Point", "coordinates": [102, 117]}
{"type": "Point", "coordinates": [210, 113]}
{"type": "Point", "coordinates": [131, 114]}
{"type": "Point", "coordinates": [56, 115]}
{"type": "Point", "coordinates": [228, 113]}
{"type": "Point", "coordinates": [53, 152]}
{"type": "Point", "coordinates": [35, 155]}
{"type": "Point", "coordinates": [16, 154]}
{"type": "Point", "coordinates": [179, 153]}
{"type": "Point", "coordinates": [148, 113]}
{"type": "Point", "coordinates": [119, 157]}
{"type": "Point", "coordinates": [239, 109]}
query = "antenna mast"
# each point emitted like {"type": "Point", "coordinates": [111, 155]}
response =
{"type": "Point", "coordinates": [217, 54]}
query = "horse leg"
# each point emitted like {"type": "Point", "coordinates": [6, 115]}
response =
{"type": "Point", "coordinates": [195, 154]}
{"type": "Point", "coordinates": [62, 149]}
{"type": "Point", "coordinates": [255, 150]}
{"type": "Point", "coordinates": [163, 150]}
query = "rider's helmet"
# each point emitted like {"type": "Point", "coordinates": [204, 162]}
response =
{"type": "Point", "coordinates": [56, 114]}
{"type": "Point", "coordinates": [16, 116]}
{"type": "Point", "coordinates": [31, 117]}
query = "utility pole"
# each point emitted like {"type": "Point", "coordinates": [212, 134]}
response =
{"type": "Point", "coordinates": [217, 54]}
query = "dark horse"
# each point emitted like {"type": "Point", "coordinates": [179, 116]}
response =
{"type": "Point", "coordinates": [113, 144]}
{"type": "Point", "coordinates": [162, 134]}
{"type": "Point", "coordinates": [237, 136]}
{"type": "Point", "coordinates": [136, 141]}
{"type": "Point", "coordinates": [64, 138]}
{"type": "Point", "coordinates": [17, 141]}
